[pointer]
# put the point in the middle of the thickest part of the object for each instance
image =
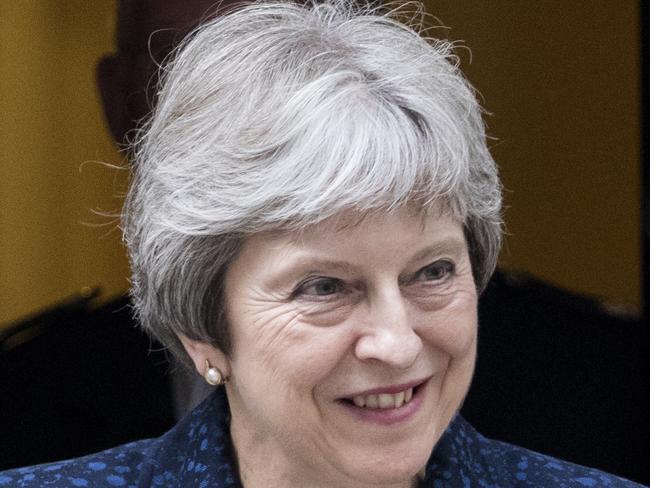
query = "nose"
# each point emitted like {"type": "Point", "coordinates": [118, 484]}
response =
{"type": "Point", "coordinates": [389, 337]}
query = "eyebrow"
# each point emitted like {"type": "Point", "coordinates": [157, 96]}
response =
{"type": "Point", "coordinates": [451, 245]}
{"type": "Point", "coordinates": [309, 264]}
{"type": "Point", "coordinates": [286, 273]}
{"type": "Point", "coordinates": [316, 264]}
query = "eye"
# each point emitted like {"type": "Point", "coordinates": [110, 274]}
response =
{"type": "Point", "coordinates": [319, 287]}
{"type": "Point", "coordinates": [437, 271]}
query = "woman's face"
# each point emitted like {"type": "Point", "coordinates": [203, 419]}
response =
{"type": "Point", "coordinates": [353, 346]}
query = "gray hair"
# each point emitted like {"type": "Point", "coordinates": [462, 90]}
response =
{"type": "Point", "coordinates": [280, 115]}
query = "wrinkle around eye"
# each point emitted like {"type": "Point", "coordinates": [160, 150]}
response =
{"type": "Point", "coordinates": [433, 288]}
{"type": "Point", "coordinates": [266, 312]}
{"type": "Point", "coordinates": [434, 296]}
{"type": "Point", "coordinates": [325, 313]}
{"type": "Point", "coordinates": [432, 300]}
{"type": "Point", "coordinates": [276, 309]}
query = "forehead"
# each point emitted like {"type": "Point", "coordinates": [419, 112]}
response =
{"type": "Point", "coordinates": [349, 231]}
{"type": "Point", "coordinates": [347, 219]}
{"type": "Point", "coordinates": [168, 20]}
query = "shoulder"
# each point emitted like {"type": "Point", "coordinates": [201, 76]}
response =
{"type": "Point", "coordinates": [523, 467]}
{"type": "Point", "coordinates": [126, 465]}
{"type": "Point", "coordinates": [463, 457]}
{"type": "Point", "coordinates": [194, 453]}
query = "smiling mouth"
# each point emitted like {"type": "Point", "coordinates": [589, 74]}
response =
{"type": "Point", "coordinates": [383, 401]}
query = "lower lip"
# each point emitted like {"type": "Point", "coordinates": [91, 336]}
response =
{"type": "Point", "coordinates": [389, 416]}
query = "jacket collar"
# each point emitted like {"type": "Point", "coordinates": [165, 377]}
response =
{"type": "Point", "coordinates": [198, 450]}
{"type": "Point", "coordinates": [456, 459]}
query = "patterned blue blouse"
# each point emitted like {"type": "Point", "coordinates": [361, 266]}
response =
{"type": "Point", "coordinates": [196, 453]}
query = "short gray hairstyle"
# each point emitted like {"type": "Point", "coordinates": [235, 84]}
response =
{"type": "Point", "coordinates": [280, 115]}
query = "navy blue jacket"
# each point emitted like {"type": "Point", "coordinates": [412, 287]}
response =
{"type": "Point", "coordinates": [196, 453]}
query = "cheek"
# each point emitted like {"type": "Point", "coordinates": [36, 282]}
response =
{"type": "Point", "coordinates": [261, 332]}
{"type": "Point", "coordinates": [277, 340]}
{"type": "Point", "coordinates": [453, 329]}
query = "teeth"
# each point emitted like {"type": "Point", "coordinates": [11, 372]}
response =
{"type": "Point", "coordinates": [408, 395]}
{"type": "Point", "coordinates": [384, 400]}
{"type": "Point", "coordinates": [399, 399]}
{"type": "Point", "coordinates": [372, 401]}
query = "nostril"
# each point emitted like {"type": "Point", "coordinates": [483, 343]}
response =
{"type": "Point", "coordinates": [388, 347]}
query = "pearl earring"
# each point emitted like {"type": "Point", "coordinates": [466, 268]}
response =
{"type": "Point", "coordinates": [212, 375]}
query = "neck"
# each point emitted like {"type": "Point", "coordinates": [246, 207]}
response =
{"type": "Point", "coordinates": [263, 462]}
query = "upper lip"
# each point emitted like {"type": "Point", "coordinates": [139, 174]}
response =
{"type": "Point", "coordinates": [389, 389]}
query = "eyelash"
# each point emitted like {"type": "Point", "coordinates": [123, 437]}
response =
{"type": "Point", "coordinates": [313, 282]}
{"type": "Point", "coordinates": [448, 268]}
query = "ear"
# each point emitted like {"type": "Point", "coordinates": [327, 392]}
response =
{"type": "Point", "coordinates": [200, 351]}
{"type": "Point", "coordinates": [112, 84]}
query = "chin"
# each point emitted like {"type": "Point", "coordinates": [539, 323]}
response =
{"type": "Point", "coordinates": [394, 466]}
{"type": "Point", "coordinates": [379, 462]}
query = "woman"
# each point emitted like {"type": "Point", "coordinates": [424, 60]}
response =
{"type": "Point", "coordinates": [313, 214]}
